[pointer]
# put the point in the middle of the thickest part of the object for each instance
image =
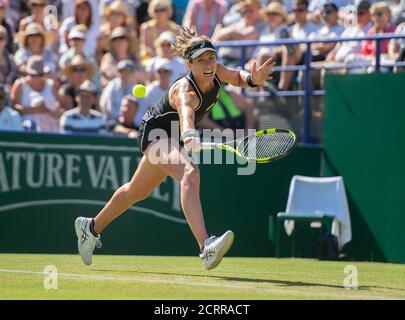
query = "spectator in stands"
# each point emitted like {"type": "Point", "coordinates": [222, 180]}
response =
{"type": "Point", "coordinates": [276, 17]}
{"type": "Point", "coordinates": [128, 111]}
{"type": "Point", "coordinates": [364, 15]}
{"type": "Point", "coordinates": [233, 14]}
{"type": "Point", "coordinates": [121, 48]}
{"type": "Point", "coordinates": [381, 16]}
{"type": "Point", "coordinates": [117, 15]}
{"type": "Point", "coordinates": [396, 48]}
{"type": "Point", "coordinates": [301, 28]}
{"type": "Point", "coordinates": [398, 11]}
{"type": "Point", "coordinates": [164, 50]}
{"type": "Point", "coordinates": [160, 11]}
{"type": "Point", "coordinates": [331, 29]}
{"type": "Point", "coordinates": [116, 89]}
{"type": "Point", "coordinates": [78, 71]}
{"type": "Point", "coordinates": [357, 24]}
{"type": "Point", "coordinates": [38, 16]}
{"type": "Point", "coordinates": [76, 42]}
{"type": "Point", "coordinates": [10, 120]}
{"type": "Point", "coordinates": [316, 7]}
{"type": "Point", "coordinates": [16, 10]}
{"type": "Point", "coordinates": [82, 15]}
{"type": "Point", "coordinates": [8, 25]}
{"type": "Point", "coordinates": [205, 15]}
{"type": "Point", "coordinates": [34, 41]}
{"type": "Point", "coordinates": [156, 90]}
{"type": "Point", "coordinates": [68, 9]}
{"type": "Point", "coordinates": [232, 111]}
{"type": "Point", "coordinates": [248, 28]}
{"type": "Point", "coordinates": [83, 119]}
{"type": "Point", "coordinates": [8, 70]}
{"type": "Point", "coordinates": [35, 97]}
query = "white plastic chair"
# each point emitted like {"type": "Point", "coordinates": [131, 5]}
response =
{"type": "Point", "coordinates": [311, 196]}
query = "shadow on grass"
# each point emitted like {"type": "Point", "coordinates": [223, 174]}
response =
{"type": "Point", "coordinates": [252, 280]}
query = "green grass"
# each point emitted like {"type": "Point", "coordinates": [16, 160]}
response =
{"type": "Point", "coordinates": [145, 277]}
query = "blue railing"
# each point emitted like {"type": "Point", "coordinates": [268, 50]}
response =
{"type": "Point", "coordinates": [307, 91]}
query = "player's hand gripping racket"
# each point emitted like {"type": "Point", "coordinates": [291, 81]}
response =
{"type": "Point", "coordinates": [261, 147]}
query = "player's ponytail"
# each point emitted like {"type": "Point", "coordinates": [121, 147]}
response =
{"type": "Point", "coordinates": [186, 38]}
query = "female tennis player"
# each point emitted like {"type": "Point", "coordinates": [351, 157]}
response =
{"type": "Point", "coordinates": [187, 101]}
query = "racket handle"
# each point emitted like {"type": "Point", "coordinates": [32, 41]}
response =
{"type": "Point", "coordinates": [208, 145]}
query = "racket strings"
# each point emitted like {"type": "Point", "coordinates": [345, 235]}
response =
{"type": "Point", "coordinates": [266, 146]}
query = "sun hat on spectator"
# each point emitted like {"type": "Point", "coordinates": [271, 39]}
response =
{"type": "Point", "coordinates": [275, 7]}
{"type": "Point", "coordinates": [35, 66]}
{"type": "Point", "coordinates": [121, 32]}
{"type": "Point", "coordinates": [167, 36]}
{"type": "Point", "coordinates": [126, 65]}
{"type": "Point", "coordinates": [76, 34]}
{"type": "Point", "coordinates": [160, 4]}
{"type": "Point", "coordinates": [33, 29]}
{"type": "Point", "coordinates": [256, 3]}
{"type": "Point", "coordinates": [117, 6]}
{"type": "Point", "coordinates": [87, 86]}
{"type": "Point", "coordinates": [79, 61]}
{"type": "Point", "coordinates": [163, 63]}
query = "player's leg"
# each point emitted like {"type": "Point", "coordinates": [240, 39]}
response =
{"type": "Point", "coordinates": [145, 179]}
{"type": "Point", "coordinates": [175, 163]}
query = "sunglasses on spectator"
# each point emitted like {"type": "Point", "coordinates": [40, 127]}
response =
{"type": "Point", "coordinates": [167, 45]}
{"type": "Point", "coordinates": [120, 38]}
{"type": "Point", "coordinates": [161, 71]}
{"type": "Point", "coordinates": [327, 12]}
{"type": "Point", "coordinates": [160, 10]}
{"type": "Point", "coordinates": [79, 69]}
{"type": "Point", "coordinates": [299, 10]}
{"type": "Point", "coordinates": [378, 14]}
{"type": "Point", "coordinates": [38, 5]}
{"type": "Point", "coordinates": [272, 14]}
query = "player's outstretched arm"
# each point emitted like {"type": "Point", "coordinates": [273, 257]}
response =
{"type": "Point", "coordinates": [185, 101]}
{"type": "Point", "coordinates": [242, 78]}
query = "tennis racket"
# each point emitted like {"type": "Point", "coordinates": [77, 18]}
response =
{"type": "Point", "coordinates": [262, 147]}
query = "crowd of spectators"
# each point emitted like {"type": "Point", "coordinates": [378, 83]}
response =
{"type": "Point", "coordinates": [69, 66]}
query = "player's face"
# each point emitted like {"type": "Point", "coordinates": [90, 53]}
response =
{"type": "Point", "coordinates": [204, 66]}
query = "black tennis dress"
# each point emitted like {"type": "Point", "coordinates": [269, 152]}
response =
{"type": "Point", "coordinates": [163, 116]}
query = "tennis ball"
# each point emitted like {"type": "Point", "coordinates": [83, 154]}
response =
{"type": "Point", "coordinates": [139, 91]}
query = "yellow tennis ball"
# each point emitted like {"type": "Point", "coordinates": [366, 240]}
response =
{"type": "Point", "coordinates": [139, 91]}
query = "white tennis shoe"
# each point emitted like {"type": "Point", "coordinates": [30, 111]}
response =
{"type": "Point", "coordinates": [215, 248]}
{"type": "Point", "coordinates": [86, 241]}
